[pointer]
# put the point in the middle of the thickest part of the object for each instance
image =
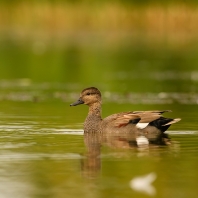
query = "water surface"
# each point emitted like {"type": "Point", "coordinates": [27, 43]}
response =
{"type": "Point", "coordinates": [43, 154]}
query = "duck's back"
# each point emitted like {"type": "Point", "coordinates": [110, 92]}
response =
{"type": "Point", "coordinates": [150, 123]}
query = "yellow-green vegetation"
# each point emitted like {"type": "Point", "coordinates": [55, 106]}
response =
{"type": "Point", "coordinates": [112, 21]}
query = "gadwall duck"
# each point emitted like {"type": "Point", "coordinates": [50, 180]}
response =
{"type": "Point", "coordinates": [150, 124]}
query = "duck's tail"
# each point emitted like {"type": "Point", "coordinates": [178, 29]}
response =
{"type": "Point", "coordinates": [164, 123]}
{"type": "Point", "coordinates": [172, 122]}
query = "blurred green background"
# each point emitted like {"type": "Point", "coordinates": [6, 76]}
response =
{"type": "Point", "coordinates": [119, 46]}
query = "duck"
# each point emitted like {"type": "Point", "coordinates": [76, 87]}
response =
{"type": "Point", "coordinates": [136, 124]}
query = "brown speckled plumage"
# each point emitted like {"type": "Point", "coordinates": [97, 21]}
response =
{"type": "Point", "coordinates": [122, 123]}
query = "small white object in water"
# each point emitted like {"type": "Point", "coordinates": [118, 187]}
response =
{"type": "Point", "coordinates": [142, 140]}
{"type": "Point", "coordinates": [144, 184]}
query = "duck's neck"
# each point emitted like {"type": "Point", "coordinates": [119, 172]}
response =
{"type": "Point", "coordinates": [95, 109]}
{"type": "Point", "coordinates": [93, 120]}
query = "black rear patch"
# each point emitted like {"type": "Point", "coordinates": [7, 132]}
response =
{"type": "Point", "coordinates": [134, 121]}
{"type": "Point", "coordinates": [160, 122]}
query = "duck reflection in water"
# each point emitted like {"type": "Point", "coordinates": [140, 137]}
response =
{"type": "Point", "coordinates": [91, 164]}
{"type": "Point", "coordinates": [121, 130]}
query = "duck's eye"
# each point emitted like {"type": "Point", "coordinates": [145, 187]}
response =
{"type": "Point", "coordinates": [88, 93]}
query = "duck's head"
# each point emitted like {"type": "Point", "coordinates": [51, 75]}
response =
{"type": "Point", "coordinates": [88, 96]}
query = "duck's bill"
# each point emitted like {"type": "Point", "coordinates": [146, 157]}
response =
{"type": "Point", "coordinates": [78, 102]}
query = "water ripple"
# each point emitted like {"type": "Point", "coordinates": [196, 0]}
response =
{"type": "Point", "coordinates": [11, 156]}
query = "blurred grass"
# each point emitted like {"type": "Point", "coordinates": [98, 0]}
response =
{"type": "Point", "coordinates": [120, 46]}
{"type": "Point", "coordinates": [64, 21]}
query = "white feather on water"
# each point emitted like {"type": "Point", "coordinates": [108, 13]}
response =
{"type": "Point", "coordinates": [144, 184]}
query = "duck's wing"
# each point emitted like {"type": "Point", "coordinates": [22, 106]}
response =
{"type": "Point", "coordinates": [140, 118]}
{"type": "Point", "coordinates": [147, 117]}
{"type": "Point", "coordinates": [121, 119]}
{"type": "Point", "coordinates": [124, 119]}
{"type": "Point", "coordinates": [155, 118]}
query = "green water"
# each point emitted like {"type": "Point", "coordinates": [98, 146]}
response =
{"type": "Point", "coordinates": [43, 154]}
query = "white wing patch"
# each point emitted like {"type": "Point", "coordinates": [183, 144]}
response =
{"type": "Point", "coordinates": [141, 125]}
